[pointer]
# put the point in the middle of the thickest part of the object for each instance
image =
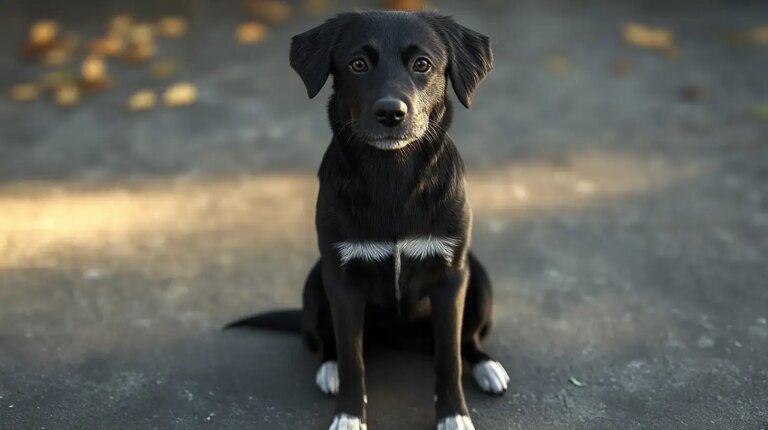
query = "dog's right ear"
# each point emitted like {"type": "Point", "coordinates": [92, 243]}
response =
{"type": "Point", "coordinates": [312, 52]}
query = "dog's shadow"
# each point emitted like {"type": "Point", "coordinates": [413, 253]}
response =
{"type": "Point", "coordinates": [276, 371]}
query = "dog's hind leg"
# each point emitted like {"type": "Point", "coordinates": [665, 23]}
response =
{"type": "Point", "coordinates": [478, 310]}
{"type": "Point", "coordinates": [317, 330]}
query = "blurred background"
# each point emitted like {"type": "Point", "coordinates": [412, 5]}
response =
{"type": "Point", "coordinates": [157, 180]}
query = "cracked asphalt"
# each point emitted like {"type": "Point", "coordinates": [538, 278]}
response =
{"type": "Point", "coordinates": [622, 216]}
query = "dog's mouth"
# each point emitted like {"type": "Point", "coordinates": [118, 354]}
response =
{"type": "Point", "coordinates": [389, 143]}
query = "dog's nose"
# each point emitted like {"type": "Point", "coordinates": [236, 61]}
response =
{"type": "Point", "coordinates": [390, 112]}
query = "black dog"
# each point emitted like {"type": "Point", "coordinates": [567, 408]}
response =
{"type": "Point", "coordinates": [392, 218]}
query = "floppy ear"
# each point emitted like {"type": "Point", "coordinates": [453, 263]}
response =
{"type": "Point", "coordinates": [470, 57]}
{"type": "Point", "coordinates": [311, 53]}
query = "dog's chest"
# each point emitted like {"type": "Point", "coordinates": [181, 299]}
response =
{"type": "Point", "coordinates": [415, 251]}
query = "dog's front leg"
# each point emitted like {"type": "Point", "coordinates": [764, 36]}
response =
{"type": "Point", "coordinates": [348, 311]}
{"type": "Point", "coordinates": [447, 299]}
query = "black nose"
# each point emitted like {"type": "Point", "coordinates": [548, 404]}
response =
{"type": "Point", "coordinates": [390, 112]}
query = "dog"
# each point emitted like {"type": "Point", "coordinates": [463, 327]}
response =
{"type": "Point", "coordinates": [393, 222]}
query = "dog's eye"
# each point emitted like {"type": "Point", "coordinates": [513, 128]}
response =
{"type": "Point", "coordinates": [422, 65]}
{"type": "Point", "coordinates": [358, 65]}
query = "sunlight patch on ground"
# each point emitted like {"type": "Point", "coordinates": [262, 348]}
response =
{"type": "Point", "coordinates": [278, 209]}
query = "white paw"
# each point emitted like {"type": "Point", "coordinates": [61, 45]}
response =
{"type": "Point", "coordinates": [491, 377]}
{"type": "Point", "coordinates": [458, 422]}
{"type": "Point", "coordinates": [347, 422]}
{"type": "Point", "coordinates": [327, 377]}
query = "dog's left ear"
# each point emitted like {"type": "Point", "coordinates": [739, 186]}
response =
{"type": "Point", "coordinates": [312, 51]}
{"type": "Point", "coordinates": [470, 56]}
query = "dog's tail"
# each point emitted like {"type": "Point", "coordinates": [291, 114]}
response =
{"type": "Point", "coordinates": [288, 320]}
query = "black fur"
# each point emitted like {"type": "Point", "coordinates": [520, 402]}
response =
{"type": "Point", "coordinates": [384, 182]}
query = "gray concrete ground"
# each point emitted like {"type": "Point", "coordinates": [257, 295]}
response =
{"type": "Point", "coordinates": [625, 227]}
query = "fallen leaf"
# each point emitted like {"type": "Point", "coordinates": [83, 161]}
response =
{"type": "Point", "coordinates": [172, 26]}
{"type": "Point", "coordinates": [251, 32]}
{"type": "Point", "coordinates": [93, 68]}
{"type": "Point", "coordinates": [271, 10]}
{"type": "Point", "coordinates": [648, 37]}
{"type": "Point", "coordinates": [44, 31]}
{"type": "Point", "coordinates": [575, 382]}
{"type": "Point", "coordinates": [162, 69]}
{"type": "Point", "coordinates": [142, 100]}
{"type": "Point", "coordinates": [403, 4]}
{"type": "Point", "coordinates": [180, 94]}
{"type": "Point", "coordinates": [120, 25]}
{"type": "Point", "coordinates": [109, 45]}
{"type": "Point", "coordinates": [41, 40]}
{"type": "Point", "coordinates": [316, 7]}
{"type": "Point", "coordinates": [67, 95]}
{"type": "Point", "coordinates": [93, 73]}
{"type": "Point", "coordinates": [139, 52]}
{"type": "Point", "coordinates": [57, 55]}
{"type": "Point", "coordinates": [25, 92]}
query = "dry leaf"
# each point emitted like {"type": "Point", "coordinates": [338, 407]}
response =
{"type": "Point", "coordinates": [120, 25]}
{"type": "Point", "coordinates": [139, 52]}
{"type": "Point", "coordinates": [162, 69]}
{"type": "Point", "coordinates": [180, 94]}
{"type": "Point", "coordinates": [316, 7]}
{"type": "Point", "coordinates": [251, 32]}
{"type": "Point", "coordinates": [25, 92]}
{"type": "Point", "coordinates": [42, 38]}
{"type": "Point", "coordinates": [109, 45]}
{"type": "Point", "coordinates": [43, 32]}
{"type": "Point", "coordinates": [94, 69]}
{"type": "Point", "coordinates": [172, 26]}
{"type": "Point", "coordinates": [648, 37]}
{"type": "Point", "coordinates": [754, 36]}
{"type": "Point", "coordinates": [271, 10]}
{"type": "Point", "coordinates": [67, 95]}
{"type": "Point", "coordinates": [142, 100]}
{"type": "Point", "coordinates": [94, 74]}
{"type": "Point", "coordinates": [142, 33]}
{"type": "Point", "coordinates": [57, 55]}
{"type": "Point", "coordinates": [403, 4]}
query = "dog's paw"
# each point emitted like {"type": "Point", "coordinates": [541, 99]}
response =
{"type": "Point", "coordinates": [327, 377]}
{"type": "Point", "coordinates": [347, 422]}
{"type": "Point", "coordinates": [458, 422]}
{"type": "Point", "coordinates": [491, 377]}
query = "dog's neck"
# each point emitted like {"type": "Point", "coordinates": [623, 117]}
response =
{"type": "Point", "coordinates": [387, 182]}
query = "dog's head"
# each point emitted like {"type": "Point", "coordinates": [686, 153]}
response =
{"type": "Point", "coordinates": [390, 70]}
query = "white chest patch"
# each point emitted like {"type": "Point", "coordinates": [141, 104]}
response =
{"type": "Point", "coordinates": [418, 248]}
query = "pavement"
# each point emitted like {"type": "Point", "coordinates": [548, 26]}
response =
{"type": "Point", "coordinates": [620, 202]}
